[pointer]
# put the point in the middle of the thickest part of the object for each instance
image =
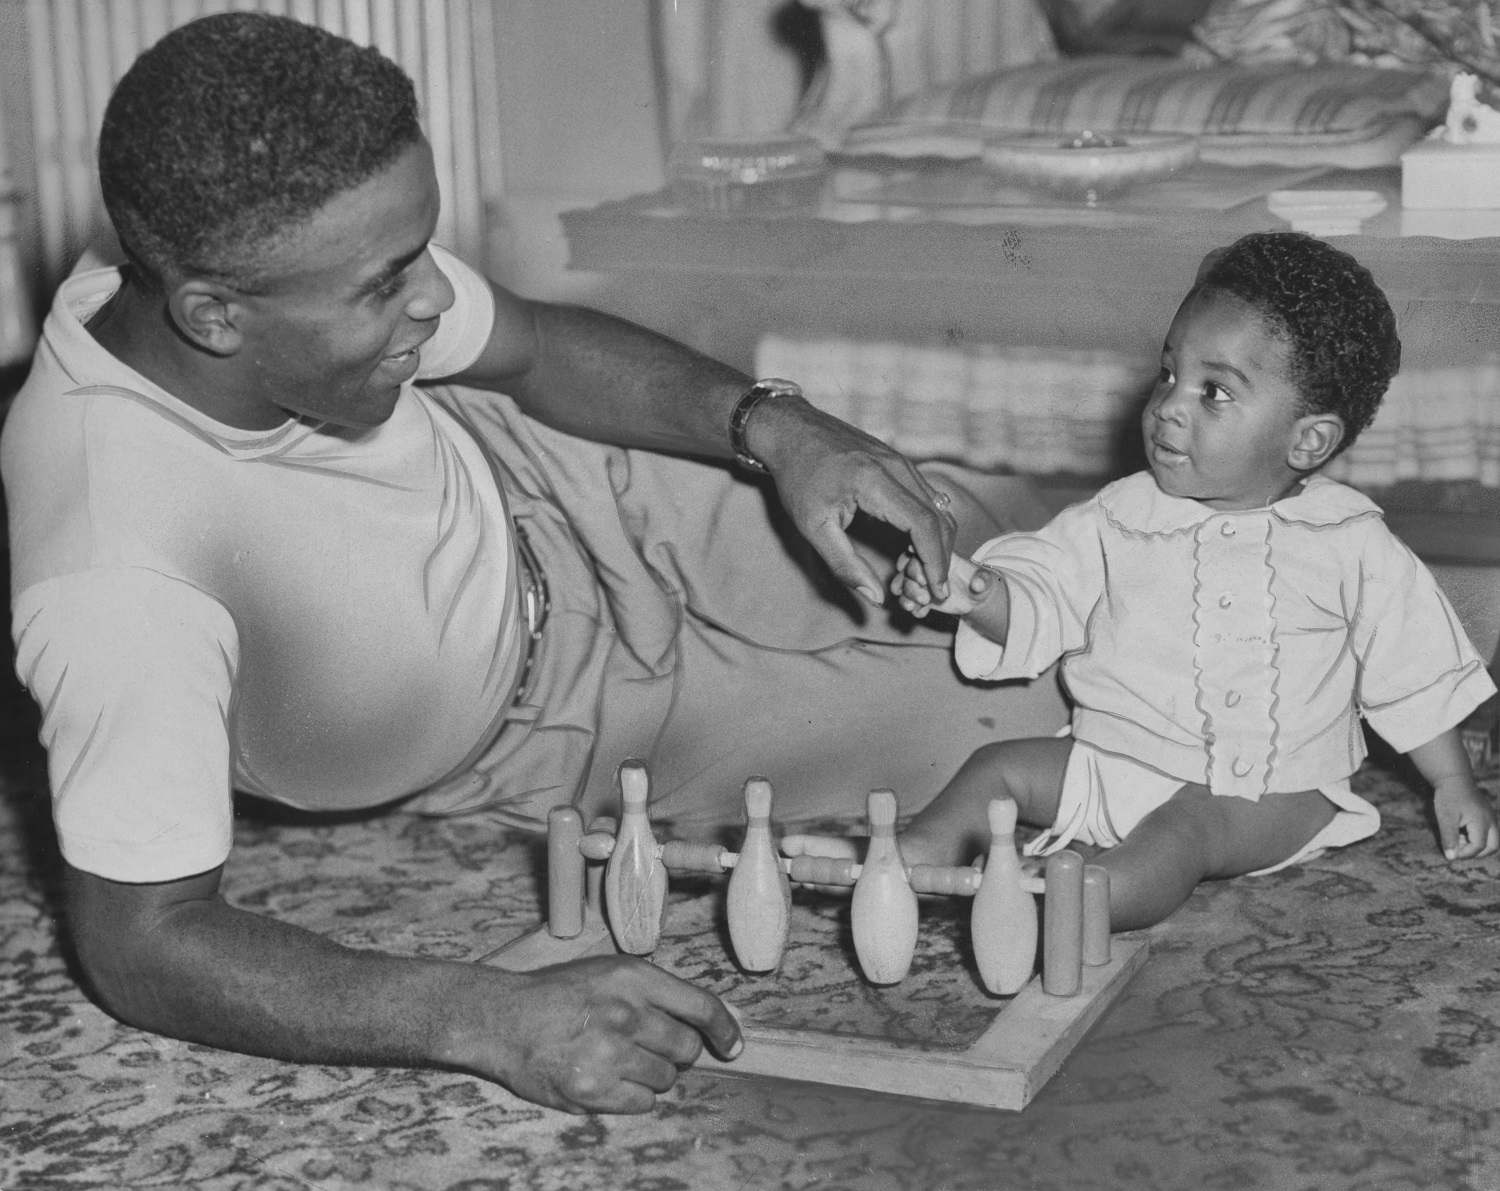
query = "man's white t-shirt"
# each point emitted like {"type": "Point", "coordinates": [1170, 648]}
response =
{"type": "Point", "coordinates": [198, 608]}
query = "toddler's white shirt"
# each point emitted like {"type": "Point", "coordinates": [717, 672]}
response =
{"type": "Point", "coordinates": [1234, 649]}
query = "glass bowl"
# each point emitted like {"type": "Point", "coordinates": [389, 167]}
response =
{"type": "Point", "coordinates": [735, 174]}
{"type": "Point", "coordinates": [1088, 167]}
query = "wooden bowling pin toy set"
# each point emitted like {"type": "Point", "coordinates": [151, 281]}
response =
{"type": "Point", "coordinates": [606, 891]}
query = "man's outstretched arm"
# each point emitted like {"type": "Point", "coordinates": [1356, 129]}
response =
{"type": "Point", "coordinates": [599, 1035]}
{"type": "Point", "coordinates": [607, 379]}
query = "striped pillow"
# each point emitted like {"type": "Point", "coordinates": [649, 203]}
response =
{"type": "Point", "coordinates": [1336, 115]}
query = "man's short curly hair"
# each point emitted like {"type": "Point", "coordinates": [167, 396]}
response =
{"type": "Point", "coordinates": [234, 128]}
{"type": "Point", "coordinates": [1339, 329]}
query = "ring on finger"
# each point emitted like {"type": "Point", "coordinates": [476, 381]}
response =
{"type": "Point", "coordinates": [941, 501]}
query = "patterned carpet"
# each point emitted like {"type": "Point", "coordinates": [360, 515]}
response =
{"type": "Point", "coordinates": [1331, 1027]}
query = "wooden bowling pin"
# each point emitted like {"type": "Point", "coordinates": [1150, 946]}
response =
{"type": "Point", "coordinates": [635, 882]}
{"type": "Point", "coordinates": [565, 865]}
{"type": "Point", "coordinates": [1002, 924]}
{"type": "Point", "coordinates": [1095, 915]}
{"type": "Point", "coordinates": [759, 896]}
{"type": "Point", "coordinates": [1062, 933]}
{"type": "Point", "coordinates": [884, 909]}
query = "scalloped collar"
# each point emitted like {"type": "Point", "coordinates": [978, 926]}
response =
{"type": "Point", "coordinates": [1137, 505]}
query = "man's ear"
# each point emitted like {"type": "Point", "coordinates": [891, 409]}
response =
{"type": "Point", "coordinates": [1208, 263]}
{"type": "Point", "coordinates": [208, 315]}
{"type": "Point", "coordinates": [1314, 440]}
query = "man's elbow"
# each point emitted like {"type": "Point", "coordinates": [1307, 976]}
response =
{"type": "Point", "coordinates": [121, 936]}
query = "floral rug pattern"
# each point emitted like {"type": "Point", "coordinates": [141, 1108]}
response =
{"type": "Point", "coordinates": [1335, 1026]}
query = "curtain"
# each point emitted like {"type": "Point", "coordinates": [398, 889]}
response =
{"type": "Point", "coordinates": [741, 67]}
{"type": "Point", "coordinates": [17, 322]}
{"type": "Point", "coordinates": [73, 51]}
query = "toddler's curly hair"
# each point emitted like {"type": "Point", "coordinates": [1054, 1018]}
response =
{"type": "Point", "coordinates": [1339, 328]}
{"type": "Point", "coordinates": [234, 128]}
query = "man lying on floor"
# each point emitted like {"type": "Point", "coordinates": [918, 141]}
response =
{"type": "Point", "coordinates": [251, 553]}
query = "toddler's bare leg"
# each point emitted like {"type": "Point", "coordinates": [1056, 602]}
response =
{"type": "Point", "coordinates": [1198, 836]}
{"type": "Point", "coordinates": [954, 827]}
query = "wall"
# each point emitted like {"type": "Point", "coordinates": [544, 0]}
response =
{"type": "Point", "coordinates": [1475, 594]}
{"type": "Point", "coordinates": [577, 118]}
{"type": "Point", "coordinates": [579, 125]}
{"type": "Point", "coordinates": [17, 166]}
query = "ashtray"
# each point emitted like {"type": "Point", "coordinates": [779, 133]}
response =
{"type": "Point", "coordinates": [736, 174]}
{"type": "Point", "coordinates": [1087, 167]}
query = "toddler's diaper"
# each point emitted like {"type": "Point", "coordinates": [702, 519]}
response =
{"type": "Point", "coordinates": [1105, 796]}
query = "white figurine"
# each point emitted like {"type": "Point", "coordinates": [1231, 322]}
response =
{"type": "Point", "coordinates": [1469, 121]}
{"type": "Point", "coordinates": [855, 81]}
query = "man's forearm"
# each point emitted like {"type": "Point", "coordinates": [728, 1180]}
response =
{"type": "Point", "coordinates": [204, 971]}
{"type": "Point", "coordinates": [598, 1035]}
{"type": "Point", "coordinates": [604, 378]}
{"type": "Point", "coordinates": [600, 377]}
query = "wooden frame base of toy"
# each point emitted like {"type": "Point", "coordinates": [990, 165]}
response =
{"type": "Point", "coordinates": [1004, 1068]}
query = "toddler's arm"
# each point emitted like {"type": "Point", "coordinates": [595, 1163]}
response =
{"type": "Point", "coordinates": [1466, 821]}
{"type": "Point", "coordinates": [974, 592]}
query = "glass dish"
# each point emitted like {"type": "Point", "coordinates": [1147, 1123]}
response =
{"type": "Point", "coordinates": [1087, 167]}
{"type": "Point", "coordinates": [736, 174]}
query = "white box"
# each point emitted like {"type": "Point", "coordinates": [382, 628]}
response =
{"type": "Point", "coordinates": [1437, 175]}
{"type": "Point", "coordinates": [1451, 225]}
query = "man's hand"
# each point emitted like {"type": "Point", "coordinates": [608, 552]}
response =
{"type": "Point", "coordinates": [827, 470]}
{"type": "Point", "coordinates": [601, 1035]}
{"type": "Point", "coordinates": [600, 377]}
{"type": "Point", "coordinates": [596, 1035]}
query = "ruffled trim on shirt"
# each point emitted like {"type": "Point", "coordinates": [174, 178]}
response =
{"type": "Point", "coordinates": [1137, 506]}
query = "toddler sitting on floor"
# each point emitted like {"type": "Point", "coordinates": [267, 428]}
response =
{"type": "Point", "coordinates": [1224, 618]}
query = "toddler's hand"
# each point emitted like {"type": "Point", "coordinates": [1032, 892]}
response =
{"type": "Point", "coordinates": [968, 584]}
{"type": "Point", "coordinates": [909, 584]}
{"type": "Point", "coordinates": [1467, 827]}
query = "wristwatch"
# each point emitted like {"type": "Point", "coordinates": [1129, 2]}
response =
{"type": "Point", "coordinates": [739, 419]}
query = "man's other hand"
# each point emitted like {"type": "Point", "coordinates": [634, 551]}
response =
{"type": "Point", "coordinates": [606, 1034]}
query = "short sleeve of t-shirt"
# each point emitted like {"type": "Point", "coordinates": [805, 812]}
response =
{"type": "Point", "coordinates": [465, 327]}
{"type": "Point", "coordinates": [136, 723]}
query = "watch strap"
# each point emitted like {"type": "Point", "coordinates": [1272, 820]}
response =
{"type": "Point", "coordinates": [739, 418]}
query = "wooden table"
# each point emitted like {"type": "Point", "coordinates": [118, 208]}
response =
{"type": "Point", "coordinates": [991, 275]}
{"type": "Point", "coordinates": [1109, 279]}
